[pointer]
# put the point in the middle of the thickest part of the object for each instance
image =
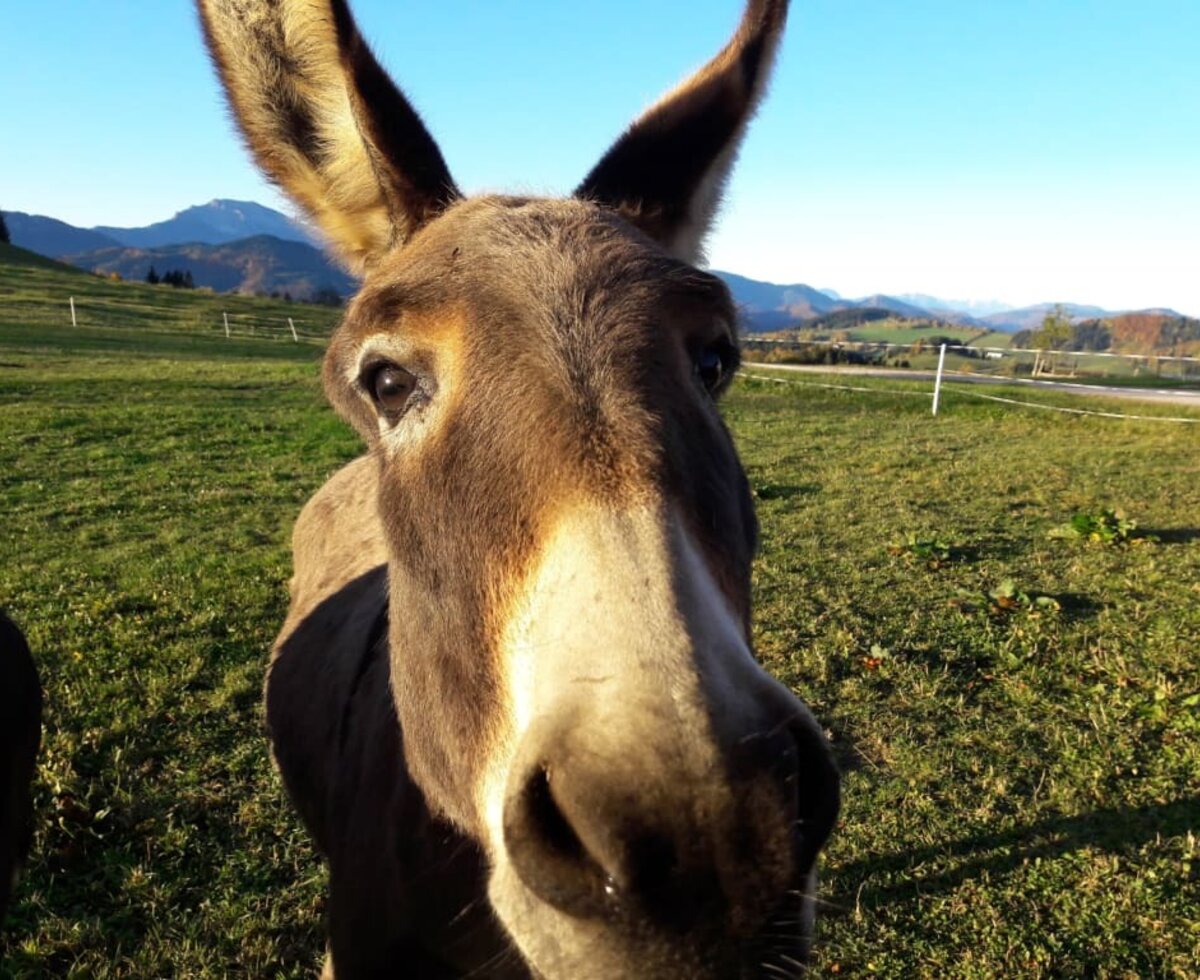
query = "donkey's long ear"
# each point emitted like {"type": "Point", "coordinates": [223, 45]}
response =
{"type": "Point", "coordinates": [667, 172]}
{"type": "Point", "coordinates": [326, 123]}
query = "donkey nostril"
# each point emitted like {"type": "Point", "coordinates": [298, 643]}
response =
{"type": "Point", "coordinates": [817, 791]}
{"type": "Point", "coordinates": [547, 819]}
{"type": "Point", "coordinates": [653, 861]}
{"type": "Point", "coordinates": [547, 852]}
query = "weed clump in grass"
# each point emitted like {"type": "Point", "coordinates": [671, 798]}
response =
{"type": "Point", "coordinates": [1108, 527]}
{"type": "Point", "coordinates": [1004, 600]}
{"type": "Point", "coordinates": [933, 551]}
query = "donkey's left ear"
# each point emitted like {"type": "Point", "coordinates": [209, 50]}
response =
{"type": "Point", "coordinates": [667, 173]}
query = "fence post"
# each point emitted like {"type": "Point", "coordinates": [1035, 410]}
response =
{"type": "Point", "coordinates": [293, 326]}
{"type": "Point", "coordinates": [226, 316]}
{"type": "Point", "coordinates": [937, 385]}
{"type": "Point", "coordinates": [73, 323]}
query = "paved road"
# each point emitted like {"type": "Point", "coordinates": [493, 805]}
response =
{"type": "Point", "coordinates": [1163, 396]}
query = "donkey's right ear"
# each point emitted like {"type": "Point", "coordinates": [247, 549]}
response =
{"type": "Point", "coordinates": [667, 173]}
{"type": "Point", "coordinates": [326, 123]}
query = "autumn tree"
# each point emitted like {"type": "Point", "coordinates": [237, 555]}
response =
{"type": "Point", "coordinates": [1054, 334]}
{"type": "Point", "coordinates": [1138, 333]}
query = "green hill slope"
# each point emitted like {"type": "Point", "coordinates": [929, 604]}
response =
{"type": "Point", "coordinates": [16, 257]}
{"type": "Point", "coordinates": [36, 294]}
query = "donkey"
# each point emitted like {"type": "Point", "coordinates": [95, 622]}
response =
{"type": "Point", "coordinates": [20, 737]}
{"type": "Point", "coordinates": [514, 699]}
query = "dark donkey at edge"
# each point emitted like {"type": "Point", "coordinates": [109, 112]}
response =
{"type": "Point", "coordinates": [514, 699]}
{"type": "Point", "coordinates": [20, 738]}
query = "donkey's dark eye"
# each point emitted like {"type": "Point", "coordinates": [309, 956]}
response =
{"type": "Point", "coordinates": [391, 387]}
{"type": "Point", "coordinates": [712, 366]}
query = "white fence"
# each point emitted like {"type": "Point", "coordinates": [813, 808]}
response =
{"type": "Point", "coordinates": [313, 326]}
{"type": "Point", "coordinates": [970, 386]}
{"type": "Point", "coordinates": [1000, 361]}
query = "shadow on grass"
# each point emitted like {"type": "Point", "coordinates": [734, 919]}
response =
{"type": "Point", "coordinates": [1172, 535]}
{"type": "Point", "coordinates": [1117, 830]}
{"type": "Point", "coordinates": [784, 491]}
{"type": "Point", "coordinates": [1074, 605]}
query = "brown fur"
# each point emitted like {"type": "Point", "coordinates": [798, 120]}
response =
{"type": "Point", "coordinates": [513, 699]}
{"type": "Point", "coordinates": [324, 562]}
{"type": "Point", "coordinates": [581, 347]}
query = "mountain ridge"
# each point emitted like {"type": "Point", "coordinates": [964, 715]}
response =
{"type": "Point", "coordinates": [224, 241]}
{"type": "Point", "coordinates": [259, 264]}
{"type": "Point", "coordinates": [218, 222]}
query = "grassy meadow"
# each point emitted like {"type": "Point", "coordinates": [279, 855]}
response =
{"type": "Point", "coordinates": [1017, 714]}
{"type": "Point", "coordinates": [890, 332]}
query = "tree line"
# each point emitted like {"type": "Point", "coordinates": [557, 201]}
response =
{"type": "Point", "coordinates": [1133, 333]}
{"type": "Point", "coordinates": [176, 278]}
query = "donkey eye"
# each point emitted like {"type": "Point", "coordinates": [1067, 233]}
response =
{"type": "Point", "coordinates": [713, 365]}
{"type": "Point", "coordinates": [391, 387]}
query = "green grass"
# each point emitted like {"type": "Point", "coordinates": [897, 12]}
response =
{"type": "Point", "coordinates": [909, 335]}
{"type": "Point", "coordinates": [887, 331]}
{"type": "Point", "coordinates": [1022, 787]}
{"type": "Point", "coordinates": [997, 338]}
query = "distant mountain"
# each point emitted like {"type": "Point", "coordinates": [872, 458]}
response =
{"type": "Point", "coordinates": [1029, 317]}
{"type": "Point", "coordinates": [856, 316]}
{"type": "Point", "coordinates": [768, 306]}
{"type": "Point", "coordinates": [51, 237]}
{"type": "Point", "coordinates": [971, 307]}
{"type": "Point", "coordinates": [893, 305]}
{"type": "Point", "coordinates": [260, 264]}
{"type": "Point", "coordinates": [214, 223]}
{"type": "Point", "coordinates": [243, 245]}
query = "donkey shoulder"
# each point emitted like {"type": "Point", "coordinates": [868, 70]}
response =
{"type": "Point", "coordinates": [337, 538]}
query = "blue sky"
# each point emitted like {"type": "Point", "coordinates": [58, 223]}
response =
{"type": "Point", "coordinates": [1020, 150]}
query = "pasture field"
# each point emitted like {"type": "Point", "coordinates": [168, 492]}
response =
{"type": "Point", "coordinates": [1018, 715]}
{"type": "Point", "coordinates": [997, 338]}
{"type": "Point", "coordinates": [883, 331]}
{"type": "Point", "coordinates": [893, 334]}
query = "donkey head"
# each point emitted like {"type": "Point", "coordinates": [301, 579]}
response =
{"type": "Point", "coordinates": [569, 529]}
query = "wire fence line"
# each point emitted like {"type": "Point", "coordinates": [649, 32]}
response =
{"type": "Point", "coordinates": [960, 390]}
{"type": "Point", "coordinates": [220, 317]}
{"type": "Point", "coordinates": [967, 346]}
{"type": "Point", "coordinates": [967, 390]}
{"type": "Point", "coordinates": [820, 384]}
{"type": "Point", "coordinates": [1008, 362]}
{"type": "Point", "coordinates": [230, 317]}
{"type": "Point", "coordinates": [272, 328]}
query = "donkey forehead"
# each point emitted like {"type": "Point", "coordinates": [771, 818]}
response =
{"type": "Point", "coordinates": [560, 268]}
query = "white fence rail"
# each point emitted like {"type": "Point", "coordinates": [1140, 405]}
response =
{"type": "Point", "coordinates": [1009, 361]}
{"type": "Point", "coordinates": [231, 324]}
{"type": "Point", "coordinates": [971, 390]}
